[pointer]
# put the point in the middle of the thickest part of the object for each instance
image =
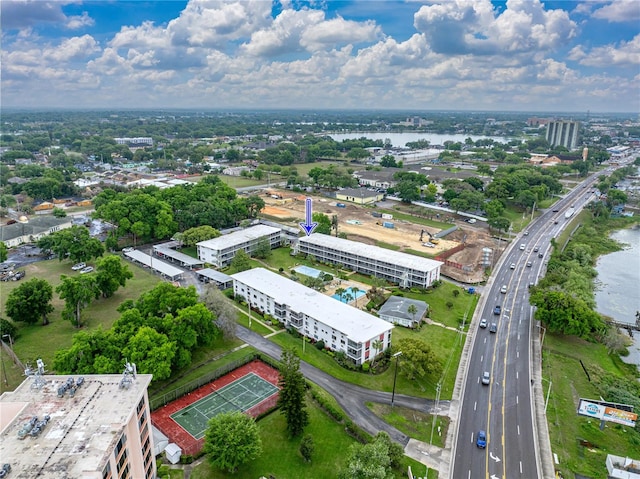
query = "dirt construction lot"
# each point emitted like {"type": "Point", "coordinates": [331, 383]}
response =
{"type": "Point", "coordinates": [359, 225]}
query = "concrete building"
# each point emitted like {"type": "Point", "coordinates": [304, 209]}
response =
{"type": "Point", "coordinates": [404, 269]}
{"type": "Point", "coordinates": [361, 196]}
{"type": "Point", "coordinates": [138, 140]}
{"type": "Point", "coordinates": [98, 427]}
{"type": "Point", "coordinates": [220, 251]}
{"type": "Point", "coordinates": [32, 230]}
{"type": "Point", "coordinates": [396, 310]}
{"type": "Point", "coordinates": [563, 133]}
{"type": "Point", "coordinates": [313, 314]}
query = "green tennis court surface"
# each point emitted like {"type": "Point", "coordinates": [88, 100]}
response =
{"type": "Point", "coordinates": [240, 395]}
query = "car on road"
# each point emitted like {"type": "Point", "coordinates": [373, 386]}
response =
{"type": "Point", "coordinates": [481, 440]}
{"type": "Point", "coordinates": [555, 210]}
{"type": "Point", "coordinates": [483, 323]}
{"type": "Point", "coordinates": [87, 269]}
{"type": "Point", "coordinates": [529, 264]}
{"type": "Point", "coordinates": [497, 309]}
{"type": "Point", "coordinates": [78, 266]}
{"type": "Point", "coordinates": [540, 255]}
{"type": "Point", "coordinates": [513, 266]}
{"type": "Point", "coordinates": [522, 247]}
{"type": "Point", "coordinates": [526, 233]}
{"type": "Point", "coordinates": [486, 378]}
{"type": "Point", "coordinates": [493, 328]}
{"type": "Point", "coordinates": [503, 290]}
{"type": "Point", "coordinates": [535, 250]}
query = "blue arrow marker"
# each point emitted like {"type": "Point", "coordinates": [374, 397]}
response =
{"type": "Point", "coordinates": [308, 226]}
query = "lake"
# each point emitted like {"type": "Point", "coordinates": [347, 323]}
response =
{"type": "Point", "coordinates": [618, 285]}
{"type": "Point", "coordinates": [401, 139]}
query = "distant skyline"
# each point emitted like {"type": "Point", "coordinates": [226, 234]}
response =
{"type": "Point", "coordinates": [518, 55]}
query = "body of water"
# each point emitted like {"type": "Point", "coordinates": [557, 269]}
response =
{"type": "Point", "coordinates": [618, 282]}
{"type": "Point", "coordinates": [399, 140]}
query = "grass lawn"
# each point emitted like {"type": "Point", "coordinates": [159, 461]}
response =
{"type": "Point", "coordinates": [398, 214]}
{"type": "Point", "coordinates": [281, 458]}
{"type": "Point", "coordinates": [569, 383]}
{"type": "Point", "coordinates": [240, 181]}
{"type": "Point", "coordinates": [415, 424]}
{"type": "Point", "coordinates": [37, 341]}
{"type": "Point", "coordinates": [166, 472]}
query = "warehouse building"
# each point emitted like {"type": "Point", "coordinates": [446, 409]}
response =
{"type": "Point", "coordinates": [322, 318]}
{"type": "Point", "coordinates": [404, 269]}
{"type": "Point", "coordinates": [90, 427]}
{"type": "Point", "coordinates": [220, 251]}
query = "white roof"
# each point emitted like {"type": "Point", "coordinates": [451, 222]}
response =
{"type": "Point", "coordinates": [80, 431]}
{"type": "Point", "coordinates": [154, 263]}
{"type": "Point", "coordinates": [354, 323]}
{"type": "Point", "coordinates": [238, 237]}
{"type": "Point", "coordinates": [177, 255]}
{"type": "Point", "coordinates": [382, 255]}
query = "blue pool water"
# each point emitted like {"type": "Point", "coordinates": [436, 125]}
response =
{"type": "Point", "coordinates": [344, 299]}
{"type": "Point", "coordinates": [308, 271]}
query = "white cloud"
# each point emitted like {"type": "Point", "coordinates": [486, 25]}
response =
{"type": "Point", "coordinates": [80, 21]}
{"type": "Point", "coordinates": [619, 11]}
{"type": "Point", "coordinates": [626, 54]}
{"type": "Point", "coordinates": [338, 31]}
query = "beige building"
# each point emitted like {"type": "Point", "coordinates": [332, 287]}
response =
{"type": "Point", "coordinates": [98, 427]}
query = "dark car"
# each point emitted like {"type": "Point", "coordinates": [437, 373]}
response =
{"type": "Point", "coordinates": [481, 440]}
{"type": "Point", "coordinates": [18, 276]}
{"type": "Point", "coordinates": [497, 309]}
{"type": "Point", "coordinates": [493, 328]}
{"type": "Point", "coordinates": [540, 255]}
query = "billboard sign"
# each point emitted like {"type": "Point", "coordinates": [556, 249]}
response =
{"type": "Point", "coordinates": [607, 413]}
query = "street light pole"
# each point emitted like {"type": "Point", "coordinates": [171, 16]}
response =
{"type": "Point", "coordinates": [546, 401]}
{"type": "Point", "coordinates": [10, 340]}
{"type": "Point", "coordinates": [395, 375]}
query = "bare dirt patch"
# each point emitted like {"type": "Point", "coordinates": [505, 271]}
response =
{"type": "Point", "coordinates": [359, 225]}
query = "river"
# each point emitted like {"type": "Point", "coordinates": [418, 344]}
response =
{"type": "Point", "coordinates": [618, 285]}
{"type": "Point", "coordinates": [400, 140]}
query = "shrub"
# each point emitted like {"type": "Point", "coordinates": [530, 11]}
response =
{"type": "Point", "coordinates": [366, 367]}
{"type": "Point", "coordinates": [319, 345]}
{"type": "Point", "coordinates": [6, 327]}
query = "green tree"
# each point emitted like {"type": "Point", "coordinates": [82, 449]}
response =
{"type": "Point", "coordinates": [163, 299]}
{"type": "Point", "coordinates": [112, 274]}
{"type": "Point", "coordinates": [59, 213]}
{"type": "Point", "coordinates": [30, 302]}
{"type": "Point", "coordinates": [4, 253]}
{"type": "Point", "coordinates": [324, 223]}
{"type": "Point", "coordinates": [418, 359]}
{"type": "Point", "coordinates": [152, 352]}
{"type": "Point", "coordinates": [200, 233]}
{"type": "Point", "coordinates": [7, 328]}
{"type": "Point", "coordinates": [500, 223]}
{"type": "Point", "coordinates": [291, 399]}
{"type": "Point", "coordinates": [241, 261]}
{"type": "Point", "coordinates": [412, 310]}
{"type": "Point", "coordinates": [307, 447]}
{"type": "Point", "coordinates": [232, 439]}
{"type": "Point", "coordinates": [262, 249]}
{"type": "Point", "coordinates": [75, 243]}
{"type": "Point", "coordinates": [368, 461]}
{"type": "Point", "coordinates": [222, 308]}
{"type": "Point", "coordinates": [77, 292]}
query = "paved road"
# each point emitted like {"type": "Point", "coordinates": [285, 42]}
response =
{"type": "Point", "coordinates": [351, 398]}
{"type": "Point", "coordinates": [504, 407]}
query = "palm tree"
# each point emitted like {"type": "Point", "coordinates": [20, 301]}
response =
{"type": "Point", "coordinates": [354, 291]}
{"type": "Point", "coordinates": [334, 224]}
{"type": "Point", "coordinates": [340, 292]}
{"type": "Point", "coordinates": [377, 347]}
{"type": "Point", "coordinates": [412, 310]}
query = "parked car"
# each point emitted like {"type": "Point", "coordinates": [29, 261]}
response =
{"type": "Point", "coordinates": [78, 266]}
{"type": "Point", "coordinates": [87, 269]}
{"type": "Point", "coordinates": [481, 440]}
{"type": "Point", "coordinates": [483, 323]}
{"type": "Point", "coordinates": [18, 275]}
{"type": "Point", "coordinates": [128, 249]}
{"type": "Point", "coordinates": [486, 378]}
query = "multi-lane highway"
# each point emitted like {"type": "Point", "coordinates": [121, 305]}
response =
{"type": "Point", "coordinates": [503, 406]}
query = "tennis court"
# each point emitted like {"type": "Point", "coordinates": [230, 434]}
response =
{"type": "Point", "coordinates": [240, 395]}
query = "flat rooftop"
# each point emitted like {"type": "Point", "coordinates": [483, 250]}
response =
{"type": "Point", "coordinates": [381, 255]}
{"type": "Point", "coordinates": [354, 323]}
{"type": "Point", "coordinates": [80, 430]}
{"type": "Point", "coordinates": [238, 237]}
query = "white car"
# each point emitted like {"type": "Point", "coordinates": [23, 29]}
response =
{"type": "Point", "coordinates": [483, 323]}
{"type": "Point", "coordinates": [128, 249]}
{"type": "Point", "coordinates": [522, 247]}
{"type": "Point", "coordinates": [503, 290]}
{"type": "Point", "coordinates": [486, 378]}
{"type": "Point", "coordinates": [513, 266]}
{"type": "Point", "coordinates": [87, 269]}
{"type": "Point", "coordinates": [78, 266]}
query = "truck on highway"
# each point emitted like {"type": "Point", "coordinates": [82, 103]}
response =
{"type": "Point", "coordinates": [569, 213]}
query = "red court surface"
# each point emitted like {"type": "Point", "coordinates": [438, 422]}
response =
{"type": "Point", "coordinates": [161, 417]}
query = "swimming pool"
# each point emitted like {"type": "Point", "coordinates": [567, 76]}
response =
{"type": "Point", "coordinates": [309, 271]}
{"type": "Point", "coordinates": [343, 299]}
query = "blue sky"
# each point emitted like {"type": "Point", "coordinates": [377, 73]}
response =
{"type": "Point", "coordinates": [515, 55]}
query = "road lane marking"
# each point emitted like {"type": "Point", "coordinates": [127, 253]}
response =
{"type": "Point", "coordinates": [482, 358]}
{"type": "Point", "coordinates": [519, 433]}
{"type": "Point", "coordinates": [517, 375]}
{"type": "Point", "coordinates": [520, 467]}
{"type": "Point", "coordinates": [475, 404]}
{"type": "Point", "coordinates": [516, 399]}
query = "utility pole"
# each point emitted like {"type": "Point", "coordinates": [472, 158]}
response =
{"type": "Point", "coordinates": [395, 375]}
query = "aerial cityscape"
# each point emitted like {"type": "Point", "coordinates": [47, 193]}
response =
{"type": "Point", "coordinates": [275, 239]}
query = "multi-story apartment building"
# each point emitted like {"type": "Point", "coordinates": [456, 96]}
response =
{"type": "Point", "coordinates": [139, 140]}
{"type": "Point", "coordinates": [313, 314]}
{"type": "Point", "coordinates": [404, 269]}
{"type": "Point", "coordinates": [97, 427]}
{"type": "Point", "coordinates": [563, 133]}
{"type": "Point", "coordinates": [221, 250]}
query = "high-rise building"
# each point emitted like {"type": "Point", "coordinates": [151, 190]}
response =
{"type": "Point", "coordinates": [90, 427]}
{"type": "Point", "coordinates": [563, 133]}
